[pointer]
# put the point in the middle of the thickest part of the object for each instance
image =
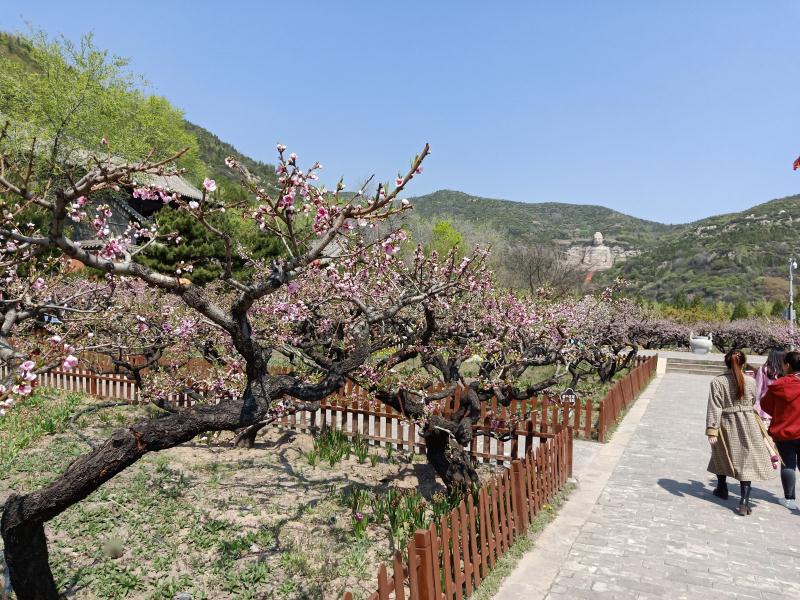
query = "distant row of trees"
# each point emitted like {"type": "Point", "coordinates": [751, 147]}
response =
{"type": "Point", "coordinates": [697, 309]}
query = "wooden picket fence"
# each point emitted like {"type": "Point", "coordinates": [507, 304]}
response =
{"type": "Point", "coordinates": [512, 430]}
{"type": "Point", "coordinates": [501, 434]}
{"type": "Point", "coordinates": [623, 393]}
{"type": "Point", "coordinates": [451, 558]}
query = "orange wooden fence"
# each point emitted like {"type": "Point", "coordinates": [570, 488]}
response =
{"type": "Point", "coordinates": [622, 395]}
{"type": "Point", "coordinates": [451, 558]}
{"type": "Point", "coordinates": [502, 433]}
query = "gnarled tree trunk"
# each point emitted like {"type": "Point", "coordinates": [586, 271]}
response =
{"type": "Point", "coordinates": [450, 460]}
{"type": "Point", "coordinates": [24, 515]}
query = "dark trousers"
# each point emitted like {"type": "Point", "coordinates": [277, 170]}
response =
{"type": "Point", "coordinates": [790, 452]}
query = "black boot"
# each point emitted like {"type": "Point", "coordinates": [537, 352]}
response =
{"type": "Point", "coordinates": [744, 500]}
{"type": "Point", "coordinates": [721, 491]}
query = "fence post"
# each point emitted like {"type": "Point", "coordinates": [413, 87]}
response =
{"type": "Point", "coordinates": [569, 453]}
{"type": "Point", "coordinates": [422, 548]}
{"type": "Point", "coordinates": [518, 490]}
{"type": "Point", "coordinates": [601, 419]}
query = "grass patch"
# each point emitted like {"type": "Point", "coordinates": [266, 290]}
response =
{"type": "Point", "coordinates": [508, 562]}
{"type": "Point", "coordinates": [45, 412]}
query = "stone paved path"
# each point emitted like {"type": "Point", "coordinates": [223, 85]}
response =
{"type": "Point", "coordinates": [645, 524]}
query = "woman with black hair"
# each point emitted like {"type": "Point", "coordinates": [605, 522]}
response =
{"type": "Point", "coordinates": [782, 402]}
{"type": "Point", "coordinates": [768, 374]}
{"type": "Point", "coordinates": [737, 444]}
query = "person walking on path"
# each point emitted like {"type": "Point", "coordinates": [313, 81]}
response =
{"type": "Point", "coordinates": [769, 373]}
{"type": "Point", "coordinates": [782, 403]}
{"type": "Point", "coordinates": [737, 443]}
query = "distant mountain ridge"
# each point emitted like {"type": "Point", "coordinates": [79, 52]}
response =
{"type": "Point", "coordinates": [544, 221]}
{"type": "Point", "coordinates": [742, 255]}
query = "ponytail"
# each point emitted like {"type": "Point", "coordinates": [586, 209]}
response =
{"type": "Point", "coordinates": [735, 360]}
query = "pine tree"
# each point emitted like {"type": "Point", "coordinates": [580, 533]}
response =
{"type": "Point", "coordinates": [740, 311]}
{"type": "Point", "coordinates": [778, 309]}
{"type": "Point", "coordinates": [203, 250]}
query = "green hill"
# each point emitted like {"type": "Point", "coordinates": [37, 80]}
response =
{"type": "Point", "coordinates": [213, 152]}
{"type": "Point", "coordinates": [210, 149]}
{"type": "Point", "coordinates": [537, 222]}
{"type": "Point", "coordinates": [726, 257]}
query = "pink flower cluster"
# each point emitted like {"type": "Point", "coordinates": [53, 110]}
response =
{"type": "Point", "coordinates": [22, 386]}
{"type": "Point", "coordinates": [154, 194]}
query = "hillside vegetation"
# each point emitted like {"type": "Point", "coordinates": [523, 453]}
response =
{"type": "Point", "coordinates": [537, 222]}
{"type": "Point", "coordinates": [726, 257]}
{"type": "Point", "coordinates": [20, 59]}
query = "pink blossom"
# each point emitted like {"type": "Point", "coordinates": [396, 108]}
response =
{"type": "Point", "coordinates": [210, 185]}
{"type": "Point", "coordinates": [398, 182]}
{"type": "Point", "coordinates": [28, 365]}
{"type": "Point", "coordinates": [70, 362]}
{"type": "Point", "coordinates": [21, 389]}
{"type": "Point", "coordinates": [38, 284]}
{"type": "Point", "coordinates": [194, 205]}
{"type": "Point", "coordinates": [141, 324]}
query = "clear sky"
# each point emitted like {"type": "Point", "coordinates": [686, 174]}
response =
{"type": "Point", "coordinates": [670, 110]}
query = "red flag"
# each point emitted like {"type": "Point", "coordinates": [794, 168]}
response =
{"type": "Point", "coordinates": [796, 164]}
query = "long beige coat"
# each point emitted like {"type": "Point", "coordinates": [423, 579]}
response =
{"type": "Point", "coordinates": [740, 451]}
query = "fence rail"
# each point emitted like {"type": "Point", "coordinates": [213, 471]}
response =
{"type": "Point", "coordinates": [450, 559]}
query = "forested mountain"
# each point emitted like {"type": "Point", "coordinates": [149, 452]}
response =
{"type": "Point", "coordinates": [213, 152]}
{"type": "Point", "coordinates": [537, 222]}
{"type": "Point", "coordinates": [209, 149]}
{"type": "Point", "coordinates": [726, 257]}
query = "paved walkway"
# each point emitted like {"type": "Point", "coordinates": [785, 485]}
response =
{"type": "Point", "coordinates": [643, 523]}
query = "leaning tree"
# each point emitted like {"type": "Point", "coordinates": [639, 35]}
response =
{"type": "Point", "coordinates": [361, 299]}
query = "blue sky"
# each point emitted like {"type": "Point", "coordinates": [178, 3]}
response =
{"type": "Point", "coordinates": [670, 110]}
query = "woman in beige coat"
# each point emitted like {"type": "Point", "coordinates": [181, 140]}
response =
{"type": "Point", "coordinates": [737, 443]}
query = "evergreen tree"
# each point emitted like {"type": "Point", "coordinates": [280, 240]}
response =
{"type": "Point", "coordinates": [204, 250]}
{"type": "Point", "coordinates": [740, 311]}
{"type": "Point", "coordinates": [778, 309]}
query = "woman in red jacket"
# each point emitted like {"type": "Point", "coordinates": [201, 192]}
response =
{"type": "Point", "coordinates": [782, 402]}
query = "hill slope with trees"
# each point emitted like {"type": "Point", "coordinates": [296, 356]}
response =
{"type": "Point", "coordinates": [737, 256]}
{"type": "Point", "coordinates": [537, 222]}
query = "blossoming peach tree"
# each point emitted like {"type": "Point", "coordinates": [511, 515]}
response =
{"type": "Point", "coordinates": [332, 303]}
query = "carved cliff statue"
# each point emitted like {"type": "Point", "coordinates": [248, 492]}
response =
{"type": "Point", "coordinates": [598, 256]}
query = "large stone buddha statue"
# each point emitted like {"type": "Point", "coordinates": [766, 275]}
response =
{"type": "Point", "coordinates": [598, 256]}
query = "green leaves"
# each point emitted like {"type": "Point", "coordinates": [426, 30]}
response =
{"type": "Point", "coordinates": [204, 250]}
{"type": "Point", "coordinates": [71, 96]}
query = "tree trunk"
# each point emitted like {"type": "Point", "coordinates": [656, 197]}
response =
{"type": "Point", "coordinates": [450, 461]}
{"type": "Point", "coordinates": [26, 553]}
{"type": "Point", "coordinates": [24, 516]}
{"type": "Point", "coordinates": [247, 437]}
